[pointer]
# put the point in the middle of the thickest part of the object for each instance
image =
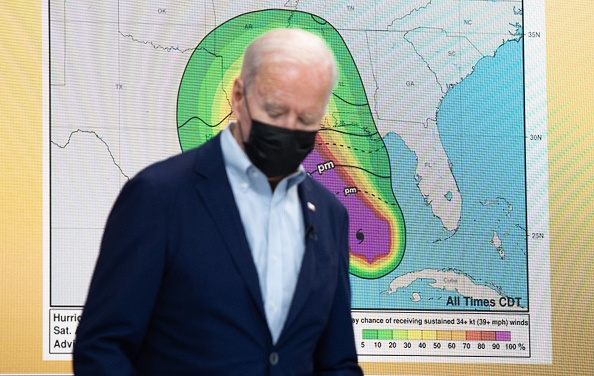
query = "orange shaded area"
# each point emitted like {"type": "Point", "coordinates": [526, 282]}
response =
{"type": "Point", "coordinates": [473, 335]}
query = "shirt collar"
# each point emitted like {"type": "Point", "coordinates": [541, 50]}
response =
{"type": "Point", "coordinates": [234, 157]}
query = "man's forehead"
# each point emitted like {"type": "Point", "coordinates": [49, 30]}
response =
{"type": "Point", "coordinates": [282, 85]}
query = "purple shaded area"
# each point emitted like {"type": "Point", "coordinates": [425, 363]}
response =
{"type": "Point", "coordinates": [369, 234]}
{"type": "Point", "coordinates": [503, 336]}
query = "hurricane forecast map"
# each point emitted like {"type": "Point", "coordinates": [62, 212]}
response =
{"type": "Point", "coordinates": [424, 142]}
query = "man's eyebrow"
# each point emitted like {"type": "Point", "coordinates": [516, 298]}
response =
{"type": "Point", "coordinates": [309, 118]}
{"type": "Point", "coordinates": [274, 106]}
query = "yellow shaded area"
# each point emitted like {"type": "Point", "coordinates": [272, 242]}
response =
{"type": "Point", "coordinates": [21, 191]}
{"type": "Point", "coordinates": [415, 334]}
{"type": "Point", "coordinates": [429, 335]}
{"type": "Point", "coordinates": [570, 96]}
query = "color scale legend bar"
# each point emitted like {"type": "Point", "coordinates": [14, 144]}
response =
{"type": "Point", "coordinates": [438, 335]}
{"type": "Point", "coordinates": [381, 335]}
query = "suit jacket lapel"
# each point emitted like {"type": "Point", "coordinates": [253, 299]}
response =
{"type": "Point", "coordinates": [215, 191]}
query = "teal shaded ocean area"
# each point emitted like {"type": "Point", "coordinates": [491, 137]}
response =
{"type": "Point", "coordinates": [481, 125]}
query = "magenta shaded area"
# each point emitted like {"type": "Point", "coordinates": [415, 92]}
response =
{"type": "Point", "coordinates": [373, 231]}
{"type": "Point", "coordinates": [503, 336]}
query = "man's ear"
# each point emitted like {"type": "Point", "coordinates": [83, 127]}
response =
{"type": "Point", "coordinates": [237, 96]}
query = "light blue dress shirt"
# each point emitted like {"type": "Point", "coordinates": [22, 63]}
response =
{"type": "Point", "coordinates": [273, 224]}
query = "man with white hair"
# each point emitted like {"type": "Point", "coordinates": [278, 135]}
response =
{"type": "Point", "coordinates": [229, 259]}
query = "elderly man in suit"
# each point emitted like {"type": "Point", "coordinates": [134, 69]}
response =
{"type": "Point", "coordinates": [229, 259]}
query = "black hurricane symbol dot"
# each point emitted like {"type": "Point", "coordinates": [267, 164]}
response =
{"type": "Point", "coordinates": [360, 236]}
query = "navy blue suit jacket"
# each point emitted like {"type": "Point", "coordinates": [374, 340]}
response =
{"type": "Point", "coordinates": [175, 290]}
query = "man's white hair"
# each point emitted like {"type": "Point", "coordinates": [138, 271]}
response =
{"type": "Point", "coordinates": [295, 46]}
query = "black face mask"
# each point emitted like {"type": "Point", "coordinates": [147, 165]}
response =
{"type": "Point", "coordinates": [278, 151]}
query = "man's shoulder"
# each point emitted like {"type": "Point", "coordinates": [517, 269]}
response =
{"type": "Point", "coordinates": [182, 165]}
